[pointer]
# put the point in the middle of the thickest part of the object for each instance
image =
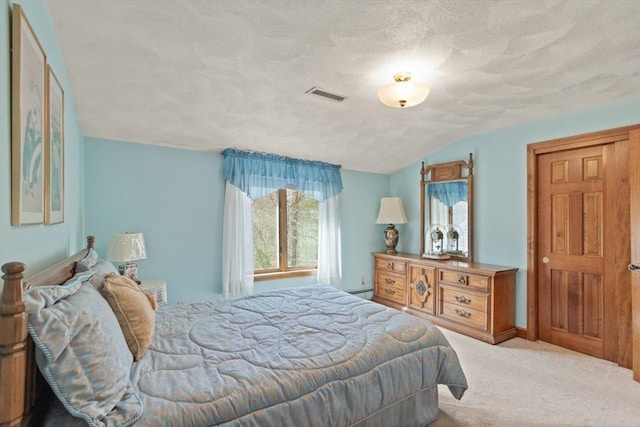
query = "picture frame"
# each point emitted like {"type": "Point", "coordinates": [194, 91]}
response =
{"type": "Point", "coordinates": [54, 151]}
{"type": "Point", "coordinates": [28, 86]}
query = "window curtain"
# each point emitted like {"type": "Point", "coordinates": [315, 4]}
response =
{"type": "Point", "coordinates": [260, 174]}
{"type": "Point", "coordinates": [329, 242]}
{"type": "Point", "coordinates": [449, 193]}
{"type": "Point", "coordinates": [237, 243]}
{"type": "Point", "coordinates": [255, 175]}
{"type": "Point", "coordinates": [439, 213]}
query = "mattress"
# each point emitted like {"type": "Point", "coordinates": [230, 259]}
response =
{"type": "Point", "coordinates": [311, 356]}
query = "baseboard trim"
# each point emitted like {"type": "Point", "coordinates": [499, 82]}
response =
{"type": "Point", "coordinates": [522, 332]}
{"type": "Point", "coordinates": [359, 291]}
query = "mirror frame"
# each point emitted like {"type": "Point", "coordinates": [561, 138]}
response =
{"type": "Point", "coordinates": [444, 172]}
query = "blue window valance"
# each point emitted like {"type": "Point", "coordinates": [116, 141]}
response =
{"type": "Point", "coordinates": [259, 174]}
{"type": "Point", "coordinates": [449, 193]}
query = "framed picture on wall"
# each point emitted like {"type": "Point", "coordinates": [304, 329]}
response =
{"type": "Point", "coordinates": [28, 75]}
{"type": "Point", "coordinates": [54, 152]}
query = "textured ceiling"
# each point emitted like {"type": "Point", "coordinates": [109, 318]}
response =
{"type": "Point", "coordinates": [207, 75]}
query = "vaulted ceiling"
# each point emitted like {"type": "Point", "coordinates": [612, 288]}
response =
{"type": "Point", "coordinates": [211, 74]}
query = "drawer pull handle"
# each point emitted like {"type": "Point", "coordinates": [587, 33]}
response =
{"type": "Point", "coordinates": [462, 280]}
{"type": "Point", "coordinates": [463, 300]}
{"type": "Point", "coordinates": [463, 313]}
{"type": "Point", "coordinates": [389, 292]}
{"type": "Point", "coordinates": [389, 281]}
{"type": "Point", "coordinates": [389, 266]}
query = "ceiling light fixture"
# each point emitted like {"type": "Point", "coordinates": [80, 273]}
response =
{"type": "Point", "coordinates": [403, 92]}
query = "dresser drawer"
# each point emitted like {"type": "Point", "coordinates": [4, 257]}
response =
{"type": "Point", "coordinates": [465, 315]}
{"type": "Point", "coordinates": [390, 293]}
{"type": "Point", "coordinates": [390, 280]}
{"type": "Point", "coordinates": [390, 286]}
{"type": "Point", "coordinates": [457, 278]}
{"type": "Point", "coordinates": [391, 265]}
{"type": "Point", "coordinates": [462, 298]}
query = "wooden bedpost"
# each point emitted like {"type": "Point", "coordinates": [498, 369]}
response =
{"type": "Point", "coordinates": [13, 351]}
{"type": "Point", "coordinates": [90, 241]}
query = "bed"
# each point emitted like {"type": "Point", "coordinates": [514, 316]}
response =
{"type": "Point", "coordinates": [304, 356]}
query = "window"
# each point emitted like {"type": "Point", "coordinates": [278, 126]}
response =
{"type": "Point", "coordinates": [285, 234]}
{"type": "Point", "coordinates": [452, 215]}
{"type": "Point", "coordinates": [251, 176]}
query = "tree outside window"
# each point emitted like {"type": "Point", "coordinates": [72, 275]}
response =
{"type": "Point", "coordinates": [285, 232]}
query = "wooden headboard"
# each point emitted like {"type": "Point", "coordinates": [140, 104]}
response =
{"type": "Point", "coordinates": [19, 389]}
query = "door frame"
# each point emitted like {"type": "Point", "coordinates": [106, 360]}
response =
{"type": "Point", "coordinates": [561, 144]}
{"type": "Point", "coordinates": [634, 183]}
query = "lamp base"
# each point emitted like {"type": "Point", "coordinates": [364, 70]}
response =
{"type": "Point", "coordinates": [129, 270]}
{"type": "Point", "coordinates": [391, 236]}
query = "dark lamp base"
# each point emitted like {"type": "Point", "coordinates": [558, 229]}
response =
{"type": "Point", "coordinates": [391, 236]}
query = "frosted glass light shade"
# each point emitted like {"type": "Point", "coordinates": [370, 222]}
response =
{"type": "Point", "coordinates": [403, 92]}
{"type": "Point", "coordinates": [391, 211]}
{"type": "Point", "coordinates": [126, 247]}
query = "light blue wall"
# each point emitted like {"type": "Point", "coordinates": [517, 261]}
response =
{"type": "Point", "coordinates": [176, 198]}
{"type": "Point", "coordinates": [39, 245]}
{"type": "Point", "coordinates": [500, 185]}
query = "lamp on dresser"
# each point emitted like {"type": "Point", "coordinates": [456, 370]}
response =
{"type": "Point", "coordinates": [124, 248]}
{"type": "Point", "coordinates": [391, 212]}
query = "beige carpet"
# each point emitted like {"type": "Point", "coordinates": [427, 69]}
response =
{"type": "Point", "coordinates": [525, 383]}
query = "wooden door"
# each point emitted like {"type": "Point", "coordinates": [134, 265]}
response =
{"type": "Point", "coordinates": [576, 290]}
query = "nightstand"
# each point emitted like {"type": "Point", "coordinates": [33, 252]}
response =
{"type": "Point", "coordinates": [156, 288]}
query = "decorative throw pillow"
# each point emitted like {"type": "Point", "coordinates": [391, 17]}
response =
{"type": "Point", "coordinates": [102, 269]}
{"type": "Point", "coordinates": [38, 297]}
{"type": "Point", "coordinates": [88, 262]}
{"type": "Point", "coordinates": [134, 310]}
{"type": "Point", "coordinates": [92, 262]}
{"type": "Point", "coordinates": [82, 353]}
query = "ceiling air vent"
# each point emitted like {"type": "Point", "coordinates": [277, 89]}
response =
{"type": "Point", "coordinates": [326, 95]}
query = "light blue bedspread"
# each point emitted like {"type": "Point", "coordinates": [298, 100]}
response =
{"type": "Point", "coordinates": [312, 356]}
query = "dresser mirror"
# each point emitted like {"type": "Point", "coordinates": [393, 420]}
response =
{"type": "Point", "coordinates": [446, 202]}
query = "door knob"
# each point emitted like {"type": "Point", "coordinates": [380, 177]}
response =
{"type": "Point", "coordinates": [633, 267]}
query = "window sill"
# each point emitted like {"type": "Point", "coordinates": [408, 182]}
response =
{"type": "Point", "coordinates": [259, 277]}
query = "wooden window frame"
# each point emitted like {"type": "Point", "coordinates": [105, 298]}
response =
{"type": "Point", "coordinates": [283, 272]}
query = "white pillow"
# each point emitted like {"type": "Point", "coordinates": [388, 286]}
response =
{"type": "Point", "coordinates": [101, 268]}
{"type": "Point", "coordinates": [82, 353]}
{"type": "Point", "coordinates": [89, 260]}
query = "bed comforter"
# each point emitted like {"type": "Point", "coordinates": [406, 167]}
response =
{"type": "Point", "coordinates": [312, 356]}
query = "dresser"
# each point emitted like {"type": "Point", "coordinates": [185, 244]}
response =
{"type": "Point", "coordinates": [474, 299]}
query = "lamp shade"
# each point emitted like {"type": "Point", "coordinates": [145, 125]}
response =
{"type": "Point", "coordinates": [391, 211]}
{"type": "Point", "coordinates": [126, 247]}
{"type": "Point", "coordinates": [403, 92]}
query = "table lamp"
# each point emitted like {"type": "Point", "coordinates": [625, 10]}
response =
{"type": "Point", "coordinates": [124, 248]}
{"type": "Point", "coordinates": [391, 212]}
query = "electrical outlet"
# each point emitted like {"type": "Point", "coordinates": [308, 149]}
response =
{"type": "Point", "coordinates": [362, 281]}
